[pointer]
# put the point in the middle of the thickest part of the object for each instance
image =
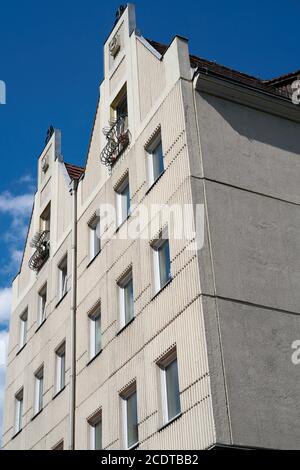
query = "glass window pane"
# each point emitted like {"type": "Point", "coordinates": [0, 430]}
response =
{"type": "Point", "coordinates": [98, 436]}
{"type": "Point", "coordinates": [132, 421]}
{"type": "Point", "coordinates": [128, 301]}
{"type": "Point", "coordinates": [172, 385]}
{"type": "Point", "coordinates": [98, 336]}
{"type": "Point", "coordinates": [62, 370]}
{"type": "Point", "coordinates": [158, 161]}
{"type": "Point", "coordinates": [125, 202]}
{"type": "Point", "coordinates": [164, 263]}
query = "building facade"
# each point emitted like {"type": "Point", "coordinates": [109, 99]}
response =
{"type": "Point", "coordinates": [124, 342]}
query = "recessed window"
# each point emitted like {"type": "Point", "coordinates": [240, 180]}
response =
{"type": "Point", "coordinates": [60, 368]}
{"type": "Point", "coordinates": [156, 165]}
{"type": "Point", "coordinates": [130, 418]}
{"type": "Point", "coordinates": [170, 387]}
{"type": "Point", "coordinates": [45, 220]}
{"type": "Point", "coordinates": [126, 299]}
{"type": "Point", "coordinates": [94, 238]}
{"type": "Point", "coordinates": [119, 111]}
{"type": "Point", "coordinates": [38, 390]}
{"type": "Point", "coordinates": [19, 400]}
{"type": "Point", "coordinates": [95, 431]}
{"type": "Point", "coordinates": [95, 333]}
{"type": "Point", "coordinates": [162, 262]}
{"type": "Point", "coordinates": [23, 329]}
{"type": "Point", "coordinates": [42, 302]}
{"type": "Point", "coordinates": [63, 277]}
{"type": "Point", "coordinates": [123, 201]}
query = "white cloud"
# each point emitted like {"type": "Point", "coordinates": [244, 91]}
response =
{"type": "Point", "coordinates": [5, 304]}
{"type": "Point", "coordinates": [16, 205]}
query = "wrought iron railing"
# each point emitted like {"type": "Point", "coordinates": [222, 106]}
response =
{"type": "Point", "coordinates": [117, 135]}
{"type": "Point", "coordinates": [41, 242]}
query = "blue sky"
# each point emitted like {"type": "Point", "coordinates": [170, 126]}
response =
{"type": "Point", "coordinates": [51, 61]}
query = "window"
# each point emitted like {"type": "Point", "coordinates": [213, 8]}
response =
{"type": "Point", "coordinates": [60, 368]}
{"type": "Point", "coordinates": [19, 411]}
{"type": "Point", "coordinates": [126, 299]}
{"type": "Point", "coordinates": [130, 417]}
{"type": "Point", "coordinates": [123, 201]}
{"type": "Point", "coordinates": [95, 240]}
{"type": "Point", "coordinates": [46, 219]}
{"type": "Point", "coordinates": [95, 333]}
{"type": "Point", "coordinates": [162, 262]}
{"type": "Point", "coordinates": [120, 111]}
{"type": "Point", "coordinates": [39, 390]}
{"type": "Point", "coordinates": [42, 305]}
{"type": "Point", "coordinates": [170, 387]}
{"type": "Point", "coordinates": [156, 165]}
{"type": "Point", "coordinates": [23, 328]}
{"type": "Point", "coordinates": [95, 432]}
{"type": "Point", "coordinates": [63, 277]}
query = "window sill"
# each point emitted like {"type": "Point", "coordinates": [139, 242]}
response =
{"type": "Point", "coordinates": [40, 326]}
{"type": "Point", "coordinates": [125, 327]}
{"type": "Point", "coordinates": [92, 260]}
{"type": "Point", "coordinates": [155, 183]}
{"type": "Point", "coordinates": [59, 393]}
{"type": "Point", "coordinates": [170, 422]}
{"type": "Point", "coordinates": [21, 349]}
{"type": "Point", "coordinates": [134, 447]}
{"type": "Point", "coordinates": [94, 358]}
{"type": "Point", "coordinates": [162, 289]}
{"type": "Point", "coordinates": [37, 414]}
{"type": "Point", "coordinates": [16, 435]}
{"type": "Point", "coordinates": [61, 300]}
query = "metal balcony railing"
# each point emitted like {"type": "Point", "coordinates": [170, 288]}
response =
{"type": "Point", "coordinates": [117, 135]}
{"type": "Point", "coordinates": [40, 241]}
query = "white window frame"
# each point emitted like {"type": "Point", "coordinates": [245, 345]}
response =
{"type": "Point", "coordinates": [128, 393]}
{"type": "Point", "coordinates": [93, 422]}
{"type": "Point", "coordinates": [23, 329]}
{"type": "Point", "coordinates": [94, 238]}
{"type": "Point", "coordinates": [150, 158]}
{"type": "Point", "coordinates": [39, 391]}
{"type": "Point", "coordinates": [163, 365]}
{"type": "Point", "coordinates": [156, 246]}
{"type": "Point", "coordinates": [60, 368]}
{"type": "Point", "coordinates": [42, 303]}
{"type": "Point", "coordinates": [93, 317]}
{"type": "Point", "coordinates": [121, 201]}
{"type": "Point", "coordinates": [122, 284]}
{"type": "Point", "coordinates": [19, 405]}
{"type": "Point", "coordinates": [63, 277]}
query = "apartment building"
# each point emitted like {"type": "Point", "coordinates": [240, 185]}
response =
{"type": "Point", "coordinates": [120, 342]}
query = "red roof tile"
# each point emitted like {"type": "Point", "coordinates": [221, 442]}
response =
{"type": "Point", "coordinates": [75, 172]}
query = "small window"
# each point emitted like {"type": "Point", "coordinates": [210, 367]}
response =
{"type": "Point", "coordinates": [45, 220]}
{"type": "Point", "coordinates": [95, 333]}
{"type": "Point", "coordinates": [170, 387]}
{"type": "Point", "coordinates": [156, 165]}
{"type": "Point", "coordinates": [95, 432]}
{"type": "Point", "coordinates": [23, 329]}
{"type": "Point", "coordinates": [123, 201]}
{"type": "Point", "coordinates": [39, 391]}
{"type": "Point", "coordinates": [19, 411]}
{"type": "Point", "coordinates": [162, 262]}
{"type": "Point", "coordinates": [126, 299]}
{"type": "Point", "coordinates": [130, 418]}
{"type": "Point", "coordinates": [60, 367]}
{"type": "Point", "coordinates": [119, 110]}
{"type": "Point", "coordinates": [42, 305]}
{"type": "Point", "coordinates": [63, 277]}
{"type": "Point", "coordinates": [94, 236]}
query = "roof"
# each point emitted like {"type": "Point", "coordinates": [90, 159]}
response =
{"type": "Point", "coordinates": [75, 172]}
{"type": "Point", "coordinates": [280, 85]}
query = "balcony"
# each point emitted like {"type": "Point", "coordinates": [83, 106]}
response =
{"type": "Point", "coordinates": [117, 135]}
{"type": "Point", "coordinates": [41, 242]}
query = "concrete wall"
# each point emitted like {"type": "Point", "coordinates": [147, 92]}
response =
{"type": "Point", "coordinates": [250, 162]}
